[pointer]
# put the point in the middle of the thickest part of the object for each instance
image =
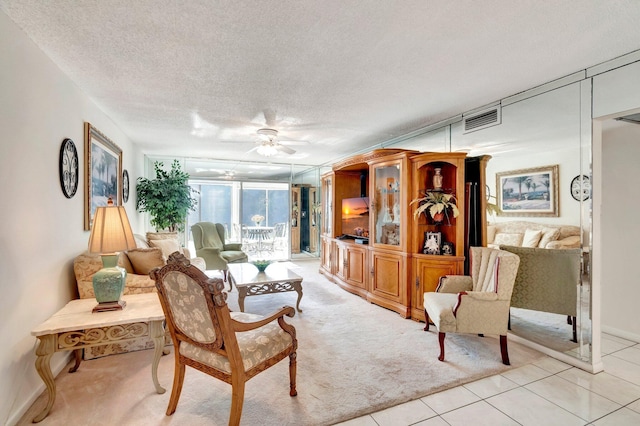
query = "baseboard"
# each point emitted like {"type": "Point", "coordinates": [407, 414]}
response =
{"type": "Point", "coordinates": [567, 359]}
{"type": "Point", "coordinates": [56, 368]}
{"type": "Point", "coordinates": [620, 333]}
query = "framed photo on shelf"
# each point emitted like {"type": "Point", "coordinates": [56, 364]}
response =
{"type": "Point", "coordinates": [448, 249]}
{"type": "Point", "coordinates": [432, 242]}
{"type": "Point", "coordinates": [528, 192]}
{"type": "Point", "coordinates": [103, 179]}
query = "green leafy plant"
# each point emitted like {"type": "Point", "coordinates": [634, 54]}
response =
{"type": "Point", "coordinates": [434, 203]}
{"type": "Point", "coordinates": [168, 198]}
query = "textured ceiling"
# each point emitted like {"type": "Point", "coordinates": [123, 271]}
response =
{"type": "Point", "coordinates": [198, 78]}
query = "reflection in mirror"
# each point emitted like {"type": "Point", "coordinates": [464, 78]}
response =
{"type": "Point", "coordinates": [535, 133]}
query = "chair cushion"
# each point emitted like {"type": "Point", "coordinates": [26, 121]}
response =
{"type": "Point", "coordinates": [210, 238]}
{"type": "Point", "coordinates": [440, 306]}
{"type": "Point", "coordinates": [234, 256]}
{"type": "Point", "coordinates": [144, 260]}
{"type": "Point", "coordinates": [255, 346]}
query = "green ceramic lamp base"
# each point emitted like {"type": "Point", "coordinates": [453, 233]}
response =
{"type": "Point", "coordinates": [108, 285]}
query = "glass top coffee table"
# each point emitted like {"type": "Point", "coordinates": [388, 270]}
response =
{"type": "Point", "coordinates": [277, 278]}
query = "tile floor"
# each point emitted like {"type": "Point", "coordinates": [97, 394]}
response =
{"type": "Point", "coordinates": [548, 392]}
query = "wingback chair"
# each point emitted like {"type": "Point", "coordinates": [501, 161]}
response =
{"type": "Point", "coordinates": [478, 303]}
{"type": "Point", "coordinates": [209, 241]}
{"type": "Point", "coordinates": [230, 346]}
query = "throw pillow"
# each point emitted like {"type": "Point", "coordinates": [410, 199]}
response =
{"type": "Point", "coordinates": [144, 260]}
{"type": "Point", "coordinates": [167, 246]}
{"type": "Point", "coordinates": [504, 238]}
{"type": "Point", "coordinates": [531, 238]}
{"type": "Point", "coordinates": [162, 236]}
{"type": "Point", "coordinates": [548, 235]}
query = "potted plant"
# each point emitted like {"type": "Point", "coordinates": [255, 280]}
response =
{"type": "Point", "coordinates": [437, 205]}
{"type": "Point", "coordinates": [167, 198]}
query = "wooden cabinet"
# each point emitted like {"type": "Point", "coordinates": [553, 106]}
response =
{"type": "Point", "coordinates": [314, 220]}
{"type": "Point", "coordinates": [426, 275]}
{"type": "Point", "coordinates": [350, 269]}
{"type": "Point", "coordinates": [326, 256]}
{"type": "Point", "coordinates": [295, 220]}
{"type": "Point", "coordinates": [393, 270]}
{"type": "Point", "coordinates": [388, 281]}
{"type": "Point", "coordinates": [436, 173]}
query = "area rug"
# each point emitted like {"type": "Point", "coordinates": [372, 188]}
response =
{"type": "Point", "coordinates": [354, 358]}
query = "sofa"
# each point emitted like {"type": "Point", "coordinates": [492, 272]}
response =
{"type": "Point", "coordinates": [532, 234]}
{"type": "Point", "coordinates": [151, 252]}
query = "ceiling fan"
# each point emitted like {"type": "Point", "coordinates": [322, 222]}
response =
{"type": "Point", "coordinates": [269, 145]}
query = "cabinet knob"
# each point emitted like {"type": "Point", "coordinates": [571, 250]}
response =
{"type": "Point", "coordinates": [417, 283]}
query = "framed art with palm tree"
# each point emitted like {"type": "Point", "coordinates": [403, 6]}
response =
{"type": "Point", "coordinates": [103, 172]}
{"type": "Point", "coordinates": [528, 192]}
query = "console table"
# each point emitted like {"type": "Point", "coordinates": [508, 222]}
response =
{"type": "Point", "coordinates": [75, 327]}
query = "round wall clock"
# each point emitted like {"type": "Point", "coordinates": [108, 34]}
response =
{"type": "Point", "coordinates": [125, 186]}
{"type": "Point", "coordinates": [581, 188]}
{"type": "Point", "coordinates": [68, 168]}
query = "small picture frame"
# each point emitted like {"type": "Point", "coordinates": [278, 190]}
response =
{"type": "Point", "coordinates": [448, 249]}
{"type": "Point", "coordinates": [432, 242]}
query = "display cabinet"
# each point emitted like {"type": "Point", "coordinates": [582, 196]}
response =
{"type": "Point", "coordinates": [295, 219]}
{"type": "Point", "coordinates": [326, 220]}
{"type": "Point", "coordinates": [437, 240]}
{"type": "Point", "coordinates": [388, 238]}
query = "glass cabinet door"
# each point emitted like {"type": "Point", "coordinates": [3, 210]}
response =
{"type": "Point", "coordinates": [327, 210]}
{"type": "Point", "coordinates": [387, 208]}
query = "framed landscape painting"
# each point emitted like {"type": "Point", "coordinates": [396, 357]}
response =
{"type": "Point", "coordinates": [528, 192]}
{"type": "Point", "coordinates": [103, 178]}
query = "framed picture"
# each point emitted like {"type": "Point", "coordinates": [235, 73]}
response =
{"type": "Point", "coordinates": [432, 241]}
{"type": "Point", "coordinates": [528, 192]}
{"type": "Point", "coordinates": [448, 249]}
{"type": "Point", "coordinates": [103, 177]}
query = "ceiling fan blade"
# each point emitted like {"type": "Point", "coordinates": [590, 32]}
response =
{"type": "Point", "coordinates": [285, 149]}
{"type": "Point", "coordinates": [269, 117]}
{"type": "Point", "coordinates": [292, 142]}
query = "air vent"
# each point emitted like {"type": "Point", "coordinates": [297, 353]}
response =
{"type": "Point", "coordinates": [633, 118]}
{"type": "Point", "coordinates": [482, 119]}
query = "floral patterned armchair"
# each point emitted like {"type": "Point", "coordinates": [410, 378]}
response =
{"type": "Point", "coordinates": [477, 304]}
{"type": "Point", "coordinates": [230, 346]}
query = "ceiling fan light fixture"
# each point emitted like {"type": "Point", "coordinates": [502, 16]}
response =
{"type": "Point", "coordinates": [267, 149]}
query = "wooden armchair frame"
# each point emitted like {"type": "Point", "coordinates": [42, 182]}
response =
{"type": "Point", "coordinates": [220, 338]}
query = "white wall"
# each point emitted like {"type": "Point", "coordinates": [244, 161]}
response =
{"type": "Point", "coordinates": [42, 231]}
{"type": "Point", "coordinates": [620, 229]}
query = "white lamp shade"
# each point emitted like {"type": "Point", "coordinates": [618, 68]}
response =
{"type": "Point", "coordinates": [111, 231]}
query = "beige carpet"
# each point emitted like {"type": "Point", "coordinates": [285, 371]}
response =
{"type": "Point", "coordinates": [354, 358]}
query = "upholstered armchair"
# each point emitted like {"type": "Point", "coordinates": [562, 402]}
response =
{"type": "Point", "coordinates": [209, 241]}
{"type": "Point", "coordinates": [477, 304]}
{"type": "Point", "coordinates": [548, 281]}
{"type": "Point", "coordinates": [230, 346]}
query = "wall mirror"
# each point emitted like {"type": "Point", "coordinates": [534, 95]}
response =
{"type": "Point", "coordinates": [543, 130]}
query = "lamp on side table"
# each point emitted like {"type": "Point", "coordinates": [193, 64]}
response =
{"type": "Point", "coordinates": [110, 233]}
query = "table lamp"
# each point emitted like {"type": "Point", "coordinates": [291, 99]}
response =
{"type": "Point", "coordinates": [110, 233]}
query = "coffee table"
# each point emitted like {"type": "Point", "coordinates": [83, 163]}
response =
{"type": "Point", "coordinates": [277, 278]}
{"type": "Point", "coordinates": [75, 327]}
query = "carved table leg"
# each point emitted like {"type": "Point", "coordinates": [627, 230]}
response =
{"type": "Point", "coordinates": [156, 330]}
{"type": "Point", "coordinates": [44, 351]}
{"type": "Point", "coordinates": [78, 356]}
{"type": "Point", "coordinates": [297, 285]}
{"type": "Point", "coordinates": [242, 293]}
